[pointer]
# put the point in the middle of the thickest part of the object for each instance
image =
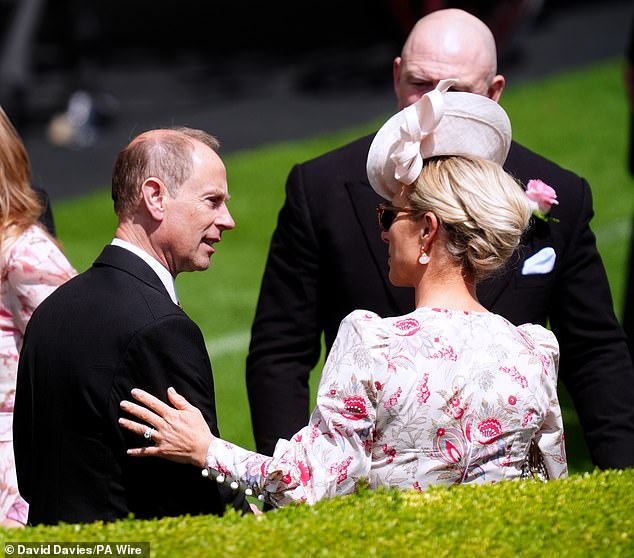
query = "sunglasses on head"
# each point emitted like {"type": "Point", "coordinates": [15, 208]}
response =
{"type": "Point", "coordinates": [387, 214]}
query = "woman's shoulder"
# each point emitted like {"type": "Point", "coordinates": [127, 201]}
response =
{"type": "Point", "coordinates": [539, 337]}
{"type": "Point", "coordinates": [32, 239]}
{"type": "Point", "coordinates": [32, 246]}
{"type": "Point", "coordinates": [33, 234]}
{"type": "Point", "coordinates": [362, 319]}
{"type": "Point", "coordinates": [369, 324]}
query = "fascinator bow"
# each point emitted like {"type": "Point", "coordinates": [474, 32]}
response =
{"type": "Point", "coordinates": [420, 120]}
{"type": "Point", "coordinates": [440, 123]}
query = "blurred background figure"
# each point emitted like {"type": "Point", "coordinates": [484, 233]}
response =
{"type": "Point", "coordinates": [20, 21]}
{"type": "Point", "coordinates": [79, 35]}
{"type": "Point", "coordinates": [89, 109]}
{"type": "Point", "coordinates": [31, 267]}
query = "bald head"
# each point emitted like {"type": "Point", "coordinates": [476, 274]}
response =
{"type": "Point", "coordinates": [447, 44]}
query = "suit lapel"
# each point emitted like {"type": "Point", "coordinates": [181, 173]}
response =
{"type": "Point", "coordinates": [126, 261]}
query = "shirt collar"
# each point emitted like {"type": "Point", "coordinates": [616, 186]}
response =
{"type": "Point", "coordinates": [164, 275]}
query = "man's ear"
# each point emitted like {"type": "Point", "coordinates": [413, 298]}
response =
{"type": "Point", "coordinates": [153, 196]}
{"type": "Point", "coordinates": [396, 74]}
{"type": "Point", "coordinates": [495, 89]}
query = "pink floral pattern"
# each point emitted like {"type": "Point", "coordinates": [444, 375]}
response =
{"type": "Point", "coordinates": [31, 267]}
{"type": "Point", "coordinates": [432, 397]}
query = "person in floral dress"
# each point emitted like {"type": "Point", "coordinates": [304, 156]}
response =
{"type": "Point", "coordinates": [32, 265]}
{"type": "Point", "coordinates": [448, 394]}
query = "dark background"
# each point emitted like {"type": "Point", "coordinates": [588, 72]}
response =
{"type": "Point", "coordinates": [253, 73]}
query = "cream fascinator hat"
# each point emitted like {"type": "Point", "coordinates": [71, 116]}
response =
{"type": "Point", "coordinates": [441, 122]}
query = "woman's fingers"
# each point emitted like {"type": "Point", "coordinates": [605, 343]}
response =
{"type": "Point", "coordinates": [141, 413]}
{"type": "Point", "coordinates": [149, 451]}
{"type": "Point", "coordinates": [150, 401]}
{"type": "Point", "coordinates": [140, 429]}
{"type": "Point", "coordinates": [177, 399]}
{"type": "Point", "coordinates": [135, 427]}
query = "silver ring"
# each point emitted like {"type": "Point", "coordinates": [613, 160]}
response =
{"type": "Point", "coordinates": [149, 432]}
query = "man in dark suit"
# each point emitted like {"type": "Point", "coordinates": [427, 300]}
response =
{"type": "Point", "coordinates": [326, 259]}
{"type": "Point", "coordinates": [118, 326]}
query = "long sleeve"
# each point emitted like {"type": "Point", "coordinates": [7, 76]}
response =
{"type": "Point", "coordinates": [550, 440]}
{"type": "Point", "coordinates": [550, 436]}
{"type": "Point", "coordinates": [435, 396]}
{"type": "Point", "coordinates": [329, 455]}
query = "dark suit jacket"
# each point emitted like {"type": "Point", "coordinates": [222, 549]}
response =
{"type": "Point", "coordinates": [327, 259]}
{"type": "Point", "coordinates": [111, 328]}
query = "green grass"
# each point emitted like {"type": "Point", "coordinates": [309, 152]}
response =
{"type": "Point", "coordinates": [584, 515]}
{"type": "Point", "coordinates": [579, 120]}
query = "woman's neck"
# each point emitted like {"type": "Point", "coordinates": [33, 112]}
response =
{"type": "Point", "coordinates": [450, 290]}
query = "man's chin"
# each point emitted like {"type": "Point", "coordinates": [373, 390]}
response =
{"type": "Point", "coordinates": [200, 264]}
{"type": "Point", "coordinates": [204, 265]}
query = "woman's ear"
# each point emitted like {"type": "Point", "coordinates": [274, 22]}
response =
{"type": "Point", "coordinates": [153, 196]}
{"type": "Point", "coordinates": [429, 229]}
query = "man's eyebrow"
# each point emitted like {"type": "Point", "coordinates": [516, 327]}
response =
{"type": "Point", "coordinates": [218, 194]}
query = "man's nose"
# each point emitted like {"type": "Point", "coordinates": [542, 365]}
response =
{"type": "Point", "coordinates": [224, 219]}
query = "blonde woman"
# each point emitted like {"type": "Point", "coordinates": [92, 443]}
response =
{"type": "Point", "coordinates": [31, 266]}
{"type": "Point", "coordinates": [447, 394]}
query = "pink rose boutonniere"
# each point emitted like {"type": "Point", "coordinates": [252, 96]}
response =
{"type": "Point", "coordinates": [542, 197]}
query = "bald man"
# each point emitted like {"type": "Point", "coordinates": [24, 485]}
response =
{"type": "Point", "coordinates": [118, 326]}
{"type": "Point", "coordinates": [327, 259]}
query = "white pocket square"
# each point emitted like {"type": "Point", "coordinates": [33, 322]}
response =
{"type": "Point", "coordinates": [540, 263]}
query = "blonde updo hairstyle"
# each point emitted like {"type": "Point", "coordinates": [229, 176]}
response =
{"type": "Point", "coordinates": [482, 208]}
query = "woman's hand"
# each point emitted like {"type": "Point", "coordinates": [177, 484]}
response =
{"type": "Point", "coordinates": [179, 433]}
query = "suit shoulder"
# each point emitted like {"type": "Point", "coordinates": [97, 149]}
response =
{"type": "Point", "coordinates": [525, 165]}
{"type": "Point", "coordinates": [350, 157]}
{"type": "Point", "coordinates": [112, 289]}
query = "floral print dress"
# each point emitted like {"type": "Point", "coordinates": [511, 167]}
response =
{"type": "Point", "coordinates": [32, 266]}
{"type": "Point", "coordinates": [432, 397]}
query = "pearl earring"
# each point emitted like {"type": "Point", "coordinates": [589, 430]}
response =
{"type": "Point", "coordinates": [424, 258]}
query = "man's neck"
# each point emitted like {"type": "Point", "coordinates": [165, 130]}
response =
{"type": "Point", "coordinates": [136, 235]}
{"type": "Point", "coordinates": [159, 268]}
